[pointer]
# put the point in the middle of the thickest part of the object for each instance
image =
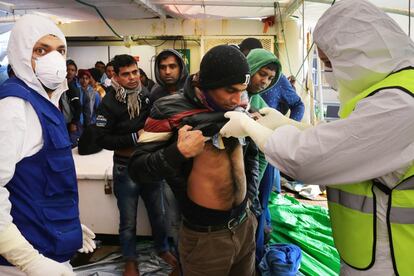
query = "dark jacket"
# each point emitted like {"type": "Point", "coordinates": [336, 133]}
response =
{"type": "Point", "coordinates": [114, 128]}
{"type": "Point", "coordinates": [70, 104]}
{"type": "Point", "coordinates": [161, 90]}
{"type": "Point", "coordinates": [161, 159]}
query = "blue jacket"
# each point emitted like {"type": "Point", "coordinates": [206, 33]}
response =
{"type": "Point", "coordinates": [281, 260]}
{"type": "Point", "coordinates": [43, 190]}
{"type": "Point", "coordinates": [284, 92]}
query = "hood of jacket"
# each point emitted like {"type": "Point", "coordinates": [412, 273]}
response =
{"type": "Point", "coordinates": [24, 35]}
{"type": "Point", "coordinates": [363, 44]}
{"type": "Point", "coordinates": [257, 58]}
{"type": "Point", "coordinates": [184, 71]}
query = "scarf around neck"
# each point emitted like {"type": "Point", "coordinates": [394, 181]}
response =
{"type": "Point", "coordinates": [130, 97]}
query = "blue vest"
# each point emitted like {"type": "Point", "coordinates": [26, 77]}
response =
{"type": "Point", "coordinates": [43, 190]}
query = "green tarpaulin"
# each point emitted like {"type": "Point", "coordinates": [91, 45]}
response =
{"type": "Point", "coordinates": [308, 227]}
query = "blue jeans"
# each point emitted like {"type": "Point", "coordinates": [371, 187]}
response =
{"type": "Point", "coordinates": [271, 177]}
{"type": "Point", "coordinates": [127, 193]}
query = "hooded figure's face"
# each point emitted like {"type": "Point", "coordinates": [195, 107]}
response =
{"type": "Point", "coordinates": [45, 45]}
{"type": "Point", "coordinates": [261, 80]}
{"type": "Point", "coordinates": [362, 45]}
{"type": "Point", "coordinates": [169, 70]}
{"type": "Point", "coordinates": [37, 52]}
{"type": "Point", "coordinates": [265, 70]}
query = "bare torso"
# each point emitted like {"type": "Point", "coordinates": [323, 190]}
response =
{"type": "Point", "coordinates": [217, 179]}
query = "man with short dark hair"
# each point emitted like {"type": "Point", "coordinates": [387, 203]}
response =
{"type": "Point", "coordinates": [100, 65]}
{"type": "Point", "coordinates": [120, 119]}
{"type": "Point", "coordinates": [170, 72]}
{"type": "Point", "coordinates": [109, 73]}
{"type": "Point", "coordinates": [207, 173]}
{"type": "Point", "coordinates": [248, 44]}
{"type": "Point", "coordinates": [70, 104]}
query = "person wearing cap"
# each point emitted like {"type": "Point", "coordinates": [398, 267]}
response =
{"type": "Point", "coordinates": [90, 97]}
{"type": "Point", "coordinates": [367, 157]}
{"type": "Point", "coordinates": [207, 174]}
{"type": "Point", "coordinates": [40, 230]}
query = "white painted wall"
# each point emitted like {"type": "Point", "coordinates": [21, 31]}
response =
{"type": "Point", "coordinates": [86, 56]}
{"type": "Point", "coordinates": [144, 52]}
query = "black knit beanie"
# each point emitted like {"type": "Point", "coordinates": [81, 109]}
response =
{"type": "Point", "coordinates": [222, 66]}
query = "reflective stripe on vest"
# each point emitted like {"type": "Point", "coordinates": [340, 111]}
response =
{"type": "Point", "coordinates": [356, 202]}
{"type": "Point", "coordinates": [352, 206]}
{"type": "Point", "coordinates": [353, 210]}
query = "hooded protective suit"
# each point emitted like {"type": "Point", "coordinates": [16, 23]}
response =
{"type": "Point", "coordinates": [376, 141]}
{"type": "Point", "coordinates": [21, 133]}
{"type": "Point", "coordinates": [27, 135]}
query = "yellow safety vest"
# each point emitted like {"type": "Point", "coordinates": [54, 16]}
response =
{"type": "Point", "coordinates": [352, 207]}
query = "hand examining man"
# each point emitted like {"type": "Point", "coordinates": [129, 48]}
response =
{"type": "Point", "coordinates": [271, 118]}
{"type": "Point", "coordinates": [236, 126]}
{"type": "Point", "coordinates": [190, 142]}
{"type": "Point", "coordinates": [241, 125]}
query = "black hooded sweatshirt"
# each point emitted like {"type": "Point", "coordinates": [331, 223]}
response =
{"type": "Point", "coordinates": [161, 90]}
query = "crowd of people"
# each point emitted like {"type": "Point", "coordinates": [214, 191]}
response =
{"type": "Point", "coordinates": [202, 149]}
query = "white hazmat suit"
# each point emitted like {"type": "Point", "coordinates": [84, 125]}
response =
{"type": "Point", "coordinates": [376, 141]}
{"type": "Point", "coordinates": [21, 137]}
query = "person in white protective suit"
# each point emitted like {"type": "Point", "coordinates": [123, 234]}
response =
{"type": "Point", "coordinates": [39, 218]}
{"type": "Point", "coordinates": [366, 158]}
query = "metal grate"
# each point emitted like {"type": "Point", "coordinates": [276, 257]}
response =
{"type": "Point", "coordinates": [208, 42]}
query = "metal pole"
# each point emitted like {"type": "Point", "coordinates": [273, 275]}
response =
{"type": "Point", "coordinates": [409, 18]}
{"type": "Point", "coordinates": [303, 36]}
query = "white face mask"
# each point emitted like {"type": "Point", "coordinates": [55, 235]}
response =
{"type": "Point", "coordinates": [51, 69]}
{"type": "Point", "coordinates": [330, 79]}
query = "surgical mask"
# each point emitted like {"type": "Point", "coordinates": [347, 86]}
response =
{"type": "Point", "coordinates": [330, 79]}
{"type": "Point", "coordinates": [51, 69]}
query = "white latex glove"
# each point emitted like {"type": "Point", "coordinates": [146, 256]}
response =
{"type": "Point", "coordinates": [241, 125]}
{"type": "Point", "coordinates": [88, 245]}
{"type": "Point", "coordinates": [20, 253]}
{"type": "Point", "coordinates": [236, 126]}
{"type": "Point", "coordinates": [42, 266]}
{"type": "Point", "coordinates": [271, 118]}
